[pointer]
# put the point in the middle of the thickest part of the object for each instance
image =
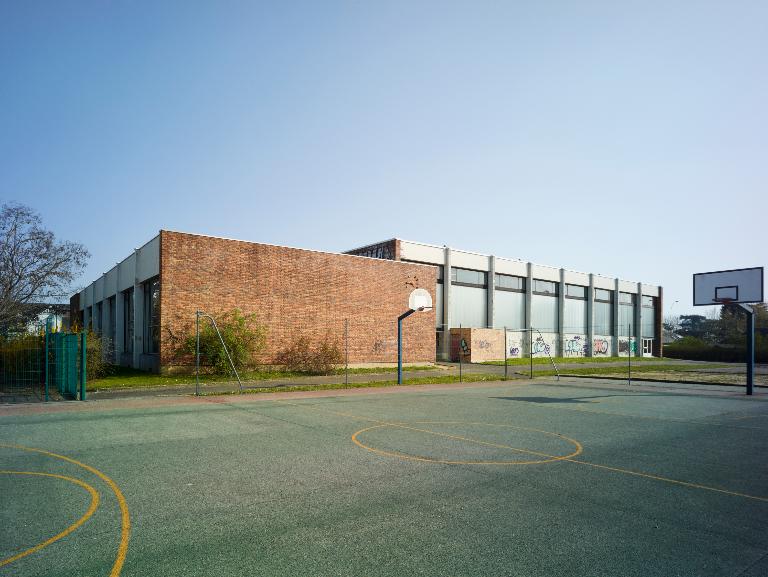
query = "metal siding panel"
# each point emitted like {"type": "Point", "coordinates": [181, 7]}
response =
{"type": "Point", "coordinates": [149, 260]}
{"type": "Point", "coordinates": [422, 253]}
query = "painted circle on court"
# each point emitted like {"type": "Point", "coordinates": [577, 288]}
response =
{"type": "Point", "coordinates": [423, 427]}
{"type": "Point", "coordinates": [94, 494]}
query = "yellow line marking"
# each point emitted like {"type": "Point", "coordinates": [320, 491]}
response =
{"type": "Point", "coordinates": [567, 459]}
{"type": "Point", "coordinates": [94, 505]}
{"type": "Point", "coordinates": [700, 421]}
{"type": "Point", "coordinates": [549, 459]}
{"type": "Point", "coordinates": [668, 480]}
{"type": "Point", "coordinates": [380, 423]}
{"type": "Point", "coordinates": [125, 531]}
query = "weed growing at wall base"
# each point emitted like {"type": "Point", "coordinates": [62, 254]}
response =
{"type": "Point", "coordinates": [244, 336]}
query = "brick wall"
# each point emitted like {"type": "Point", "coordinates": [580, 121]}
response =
{"type": "Point", "coordinates": [294, 293]}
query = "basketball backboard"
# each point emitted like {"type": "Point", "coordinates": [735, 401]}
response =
{"type": "Point", "coordinates": [419, 300]}
{"type": "Point", "coordinates": [744, 285]}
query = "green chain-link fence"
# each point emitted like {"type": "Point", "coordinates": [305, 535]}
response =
{"type": "Point", "coordinates": [43, 361]}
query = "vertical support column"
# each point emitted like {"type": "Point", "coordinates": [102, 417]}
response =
{"type": "Point", "coordinates": [639, 321]}
{"type": "Point", "coordinates": [104, 309]}
{"type": "Point", "coordinates": [119, 318]}
{"type": "Point", "coordinates": [616, 322]}
{"type": "Point", "coordinates": [528, 296]}
{"type": "Point", "coordinates": [445, 352]}
{"type": "Point", "coordinates": [591, 315]}
{"type": "Point", "coordinates": [491, 291]}
{"type": "Point", "coordinates": [86, 316]}
{"type": "Point", "coordinates": [138, 314]}
{"type": "Point", "coordinates": [561, 315]}
{"type": "Point", "coordinates": [658, 339]}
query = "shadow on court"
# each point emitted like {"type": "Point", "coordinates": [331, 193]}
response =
{"type": "Point", "coordinates": [556, 400]}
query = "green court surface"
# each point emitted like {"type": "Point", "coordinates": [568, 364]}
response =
{"type": "Point", "coordinates": [491, 479]}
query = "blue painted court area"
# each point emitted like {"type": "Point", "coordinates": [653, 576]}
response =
{"type": "Point", "coordinates": [491, 479]}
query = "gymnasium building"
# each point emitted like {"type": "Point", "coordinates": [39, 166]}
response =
{"type": "Point", "coordinates": [485, 307]}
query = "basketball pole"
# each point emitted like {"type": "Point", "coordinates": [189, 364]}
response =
{"type": "Point", "coordinates": [750, 347]}
{"type": "Point", "coordinates": [400, 344]}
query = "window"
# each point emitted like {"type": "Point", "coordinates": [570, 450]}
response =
{"type": "Point", "coordinates": [112, 319]}
{"type": "Point", "coordinates": [573, 291]}
{"type": "Point", "coordinates": [544, 287]}
{"type": "Point", "coordinates": [603, 323]}
{"type": "Point", "coordinates": [97, 320]}
{"type": "Point", "coordinates": [128, 321]}
{"type": "Point", "coordinates": [509, 309]}
{"type": "Point", "coordinates": [627, 303]}
{"type": "Point", "coordinates": [627, 298]}
{"type": "Point", "coordinates": [544, 313]}
{"type": "Point", "coordinates": [152, 316]}
{"type": "Point", "coordinates": [463, 276]}
{"type": "Point", "coordinates": [89, 312]}
{"type": "Point", "coordinates": [649, 302]}
{"type": "Point", "coordinates": [440, 273]}
{"type": "Point", "coordinates": [603, 295]}
{"type": "Point", "coordinates": [509, 282]}
{"type": "Point", "coordinates": [575, 315]}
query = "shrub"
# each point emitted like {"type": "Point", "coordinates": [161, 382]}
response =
{"type": "Point", "coordinates": [693, 349]}
{"type": "Point", "coordinates": [242, 334]}
{"type": "Point", "coordinates": [97, 357]}
{"type": "Point", "coordinates": [303, 357]}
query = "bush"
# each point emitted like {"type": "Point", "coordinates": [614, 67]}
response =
{"type": "Point", "coordinates": [693, 349]}
{"type": "Point", "coordinates": [96, 357]}
{"type": "Point", "coordinates": [242, 334]}
{"type": "Point", "coordinates": [303, 357]}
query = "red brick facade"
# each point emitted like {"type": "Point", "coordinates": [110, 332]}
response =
{"type": "Point", "coordinates": [294, 293]}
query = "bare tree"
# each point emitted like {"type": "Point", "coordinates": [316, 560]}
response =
{"type": "Point", "coordinates": [35, 268]}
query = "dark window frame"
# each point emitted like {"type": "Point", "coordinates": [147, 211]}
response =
{"type": "Point", "coordinates": [455, 274]}
{"type": "Point", "coordinates": [653, 302]}
{"type": "Point", "coordinates": [632, 299]}
{"type": "Point", "coordinates": [585, 291]}
{"type": "Point", "coordinates": [128, 328]}
{"type": "Point", "coordinates": [151, 316]}
{"type": "Point", "coordinates": [498, 286]}
{"type": "Point", "coordinates": [602, 300]}
{"type": "Point", "coordinates": [545, 293]}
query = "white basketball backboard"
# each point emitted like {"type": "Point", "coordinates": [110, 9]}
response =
{"type": "Point", "coordinates": [744, 285]}
{"type": "Point", "coordinates": [420, 299]}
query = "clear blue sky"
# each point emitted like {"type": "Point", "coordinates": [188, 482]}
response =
{"type": "Point", "coordinates": [623, 138]}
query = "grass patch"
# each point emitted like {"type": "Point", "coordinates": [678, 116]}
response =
{"type": "Point", "coordinates": [469, 378]}
{"type": "Point", "coordinates": [125, 378]}
{"type": "Point", "coordinates": [670, 369]}
{"type": "Point", "coordinates": [578, 360]}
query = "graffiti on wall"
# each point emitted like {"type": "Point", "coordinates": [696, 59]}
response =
{"type": "Point", "coordinates": [515, 345]}
{"type": "Point", "coordinates": [381, 346]}
{"type": "Point", "coordinates": [540, 347]}
{"type": "Point", "coordinates": [575, 347]}
{"type": "Point", "coordinates": [600, 346]}
{"type": "Point", "coordinates": [485, 345]}
{"type": "Point", "coordinates": [627, 345]}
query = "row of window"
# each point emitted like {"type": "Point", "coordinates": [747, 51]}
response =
{"type": "Point", "coordinates": [479, 279]}
{"type": "Point", "coordinates": [151, 317]}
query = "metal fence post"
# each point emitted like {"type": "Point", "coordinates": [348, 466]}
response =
{"type": "Point", "coordinates": [83, 364]}
{"type": "Point", "coordinates": [197, 353]}
{"type": "Point", "coordinates": [461, 351]}
{"type": "Point", "coordinates": [505, 353]}
{"type": "Point", "coordinates": [530, 349]}
{"type": "Point", "coordinates": [629, 353]}
{"type": "Point", "coordinates": [45, 359]}
{"type": "Point", "coordinates": [346, 351]}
